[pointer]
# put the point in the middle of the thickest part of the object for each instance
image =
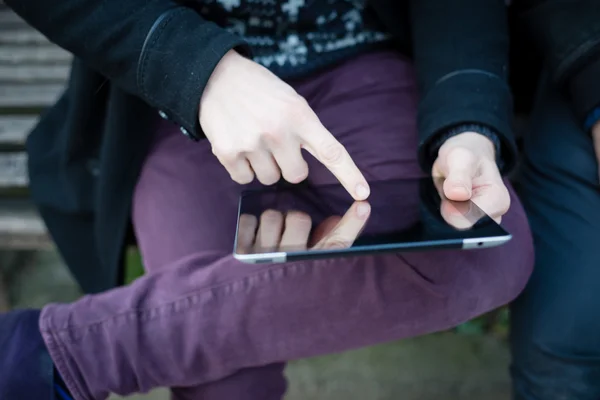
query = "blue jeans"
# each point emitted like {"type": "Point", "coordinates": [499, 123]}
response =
{"type": "Point", "coordinates": [556, 321]}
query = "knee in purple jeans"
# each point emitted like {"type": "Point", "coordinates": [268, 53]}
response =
{"type": "Point", "coordinates": [482, 280]}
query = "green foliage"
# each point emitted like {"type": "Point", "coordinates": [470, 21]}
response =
{"type": "Point", "coordinates": [473, 327]}
{"type": "Point", "coordinates": [494, 323]}
{"type": "Point", "coordinates": [134, 267]}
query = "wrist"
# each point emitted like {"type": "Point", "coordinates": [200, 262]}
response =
{"type": "Point", "coordinates": [222, 69]}
{"type": "Point", "coordinates": [478, 143]}
{"type": "Point", "coordinates": [230, 59]}
{"type": "Point", "coordinates": [482, 132]}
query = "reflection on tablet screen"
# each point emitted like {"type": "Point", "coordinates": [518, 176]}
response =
{"type": "Point", "coordinates": [309, 218]}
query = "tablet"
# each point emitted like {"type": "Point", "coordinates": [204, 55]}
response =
{"type": "Point", "coordinates": [302, 222]}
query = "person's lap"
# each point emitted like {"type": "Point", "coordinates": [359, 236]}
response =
{"type": "Point", "coordinates": [185, 208]}
{"type": "Point", "coordinates": [555, 324]}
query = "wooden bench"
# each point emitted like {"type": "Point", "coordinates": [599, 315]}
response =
{"type": "Point", "coordinates": [32, 74]}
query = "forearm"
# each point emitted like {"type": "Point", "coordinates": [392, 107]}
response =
{"type": "Point", "coordinates": [461, 56]}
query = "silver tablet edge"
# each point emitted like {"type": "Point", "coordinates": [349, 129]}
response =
{"type": "Point", "coordinates": [263, 258]}
{"type": "Point", "coordinates": [281, 257]}
{"type": "Point", "coordinates": [482, 243]}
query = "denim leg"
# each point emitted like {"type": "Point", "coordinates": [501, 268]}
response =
{"type": "Point", "coordinates": [555, 322]}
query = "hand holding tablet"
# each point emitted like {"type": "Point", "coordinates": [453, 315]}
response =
{"type": "Point", "coordinates": [301, 222]}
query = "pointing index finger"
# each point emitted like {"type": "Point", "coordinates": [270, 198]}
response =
{"type": "Point", "coordinates": [319, 142]}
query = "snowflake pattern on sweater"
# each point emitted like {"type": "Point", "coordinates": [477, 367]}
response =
{"type": "Point", "coordinates": [293, 36]}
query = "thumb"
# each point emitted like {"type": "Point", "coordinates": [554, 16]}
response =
{"type": "Point", "coordinates": [461, 167]}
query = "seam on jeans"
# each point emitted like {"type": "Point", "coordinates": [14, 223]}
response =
{"type": "Point", "coordinates": [190, 299]}
{"type": "Point", "coordinates": [56, 350]}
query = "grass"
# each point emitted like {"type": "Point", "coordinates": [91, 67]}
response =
{"type": "Point", "coordinates": [134, 267]}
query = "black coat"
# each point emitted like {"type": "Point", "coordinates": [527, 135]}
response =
{"type": "Point", "coordinates": [136, 57]}
{"type": "Point", "coordinates": [566, 35]}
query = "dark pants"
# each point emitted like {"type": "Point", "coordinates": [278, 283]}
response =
{"type": "Point", "coordinates": [556, 321]}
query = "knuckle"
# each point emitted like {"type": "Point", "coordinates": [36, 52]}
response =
{"type": "Point", "coordinates": [461, 153]}
{"type": "Point", "coordinates": [336, 242]}
{"type": "Point", "coordinates": [332, 153]}
{"type": "Point", "coordinates": [296, 108]}
{"type": "Point", "coordinates": [453, 150]}
{"type": "Point", "coordinates": [225, 152]}
{"type": "Point", "coordinates": [297, 102]}
{"type": "Point", "coordinates": [250, 144]}
{"type": "Point", "coordinates": [272, 137]}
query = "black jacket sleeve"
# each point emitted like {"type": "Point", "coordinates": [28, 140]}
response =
{"type": "Point", "coordinates": [461, 52]}
{"type": "Point", "coordinates": [567, 33]}
{"type": "Point", "coordinates": [157, 50]}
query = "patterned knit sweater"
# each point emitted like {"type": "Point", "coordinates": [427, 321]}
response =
{"type": "Point", "coordinates": [295, 37]}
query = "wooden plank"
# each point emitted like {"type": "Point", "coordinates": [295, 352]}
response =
{"type": "Point", "coordinates": [21, 227]}
{"type": "Point", "coordinates": [14, 129]}
{"type": "Point", "coordinates": [22, 36]}
{"type": "Point", "coordinates": [9, 19]}
{"type": "Point", "coordinates": [13, 170]}
{"type": "Point", "coordinates": [31, 74]}
{"type": "Point", "coordinates": [7, 15]}
{"type": "Point", "coordinates": [28, 55]}
{"type": "Point", "coordinates": [14, 96]}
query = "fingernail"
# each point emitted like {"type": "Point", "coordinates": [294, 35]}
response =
{"type": "Point", "coordinates": [362, 191]}
{"type": "Point", "coordinates": [363, 210]}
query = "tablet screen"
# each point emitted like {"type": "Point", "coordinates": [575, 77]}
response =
{"type": "Point", "coordinates": [401, 214]}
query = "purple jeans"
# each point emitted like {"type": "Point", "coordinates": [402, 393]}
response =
{"type": "Point", "coordinates": [210, 327]}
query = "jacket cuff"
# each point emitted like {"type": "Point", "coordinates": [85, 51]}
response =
{"type": "Point", "coordinates": [180, 53]}
{"type": "Point", "coordinates": [584, 89]}
{"type": "Point", "coordinates": [475, 98]}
